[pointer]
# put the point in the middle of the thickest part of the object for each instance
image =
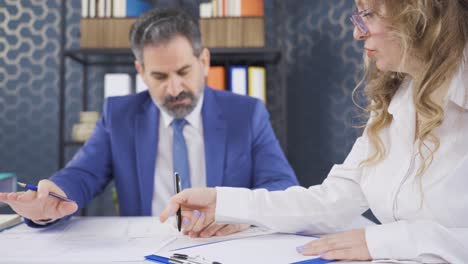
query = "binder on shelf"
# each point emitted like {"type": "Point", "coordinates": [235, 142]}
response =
{"type": "Point", "coordinates": [257, 82]}
{"type": "Point", "coordinates": [139, 84]}
{"type": "Point", "coordinates": [216, 78]}
{"type": "Point", "coordinates": [116, 84]}
{"type": "Point", "coordinates": [238, 79]}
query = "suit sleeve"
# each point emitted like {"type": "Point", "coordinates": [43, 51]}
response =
{"type": "Point", "coordinates": [270, 167]}
{"type": "Point", "coordinates": [88, 173]}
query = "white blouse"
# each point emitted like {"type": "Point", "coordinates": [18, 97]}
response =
{"type": "Point", "coordinates": [429, 226]}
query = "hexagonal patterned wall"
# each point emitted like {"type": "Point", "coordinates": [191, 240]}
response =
{"type": "Point", "coordinates": [29, 47]}
{"type": "Point", "coordinates": [320, 59]}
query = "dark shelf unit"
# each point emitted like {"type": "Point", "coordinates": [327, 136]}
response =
{"type": "Point", "coordinates": [270, 58]}
{"type": "Point", "coordinates": [218, 56]}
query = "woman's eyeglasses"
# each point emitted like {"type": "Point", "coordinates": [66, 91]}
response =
{"type": "Point", "coordinates": [358, 21]}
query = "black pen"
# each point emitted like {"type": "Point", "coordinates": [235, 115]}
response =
{"type": "Point", "coordinates": [179, 212]}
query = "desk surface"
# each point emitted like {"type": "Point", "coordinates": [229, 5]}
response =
{"type": "Point", "coordinates": [99, 240]}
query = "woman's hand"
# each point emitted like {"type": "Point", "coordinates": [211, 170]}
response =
{"type": "Point", "coordinates": [198, 208]}
{"type": "Point", "coordinates": [349, 245]}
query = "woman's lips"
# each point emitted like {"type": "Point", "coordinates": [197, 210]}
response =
{"type": "Point", "coordinates": [370, 52]}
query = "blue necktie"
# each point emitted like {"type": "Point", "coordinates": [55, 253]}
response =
{"type": "Point", "coordinates": [179, 153]}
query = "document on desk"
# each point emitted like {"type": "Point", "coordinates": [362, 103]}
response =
{"type": "Point", "coordinates": [272, 248]}
{"type": "Point", "coordinates": [87, 239]}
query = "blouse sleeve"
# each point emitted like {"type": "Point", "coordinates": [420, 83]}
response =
{"type": "Point", "coordinates": [317, 209]}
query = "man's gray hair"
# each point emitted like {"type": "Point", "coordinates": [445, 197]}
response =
{"type": "Point", "coordinates": [158, 26]}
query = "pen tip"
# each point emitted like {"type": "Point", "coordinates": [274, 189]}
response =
{"type": "Point", "coordinates": [21, 184]}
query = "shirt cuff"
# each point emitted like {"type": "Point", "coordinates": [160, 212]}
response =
{"type": "Point", "coordinates": [232, 205]}
{"type": "Point", "coordinates": [43, 222]}
{"type": "Point", "coordinates": [390, 241]}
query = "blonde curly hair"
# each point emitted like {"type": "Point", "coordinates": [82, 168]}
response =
{"type": "Point", "coordinates": [434, 32]}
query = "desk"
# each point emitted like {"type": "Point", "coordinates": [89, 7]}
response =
{"type": "Point", "coordinates": [97, 240]}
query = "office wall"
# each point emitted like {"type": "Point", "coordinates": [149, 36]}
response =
{"type": "Point", "coordinates": [322, 62]}
{"type": "Point", "coordinates": [320, 59]}
{"type": "Point", "coordinates": [29, 47]}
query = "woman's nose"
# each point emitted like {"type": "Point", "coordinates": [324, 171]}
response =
{"type": "Point", "coordinates": [358, 35]}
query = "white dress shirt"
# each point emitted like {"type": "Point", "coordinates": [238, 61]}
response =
{"type": "Point", "coordinates": [164, 182]}
{"type": "Point", "coordinates": [431, 230]}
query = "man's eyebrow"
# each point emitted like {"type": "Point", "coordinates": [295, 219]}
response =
{"type": "Point", "coordinates": [165, 73]}
{"type": "Point", "coordinates": [185, 67]}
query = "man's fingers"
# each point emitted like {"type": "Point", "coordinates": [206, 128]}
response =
{"type": "Point", "coordinates": [27, 196]}
{"type": "Point", "coordinates": [44, 187]}
{"type": "Point", "coordinates": [65, 208]}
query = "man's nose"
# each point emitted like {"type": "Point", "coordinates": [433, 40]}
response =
{"type": "Point", "coordinates": [174, 86]}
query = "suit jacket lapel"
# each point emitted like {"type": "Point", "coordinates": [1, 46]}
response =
{"type": "Point", "coordinates": [214, 129]}
{"type": "Point", "coordinates": [146, 144]}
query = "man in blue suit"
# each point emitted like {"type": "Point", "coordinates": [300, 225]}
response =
{"type": "Point", "coordinates": [211, 138]}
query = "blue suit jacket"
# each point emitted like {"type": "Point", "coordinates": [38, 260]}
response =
{"type": "Point", "coordinates": [241, 150]}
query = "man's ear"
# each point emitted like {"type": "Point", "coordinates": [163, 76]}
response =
{"type": "Point", "coordinates": [140, 69]}
{"type": "Point", "coordinates": [205, 60]}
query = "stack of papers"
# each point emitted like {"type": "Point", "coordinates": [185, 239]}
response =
{"type": "Point", "coordinates": [9, 220]}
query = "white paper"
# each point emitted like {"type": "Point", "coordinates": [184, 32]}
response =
{"type": "Point", "coordinates": [273, 248]}
{"type": "Point", "coordinates": [85, 240]}
{"type": "Point", "coordinates": [185, 241]}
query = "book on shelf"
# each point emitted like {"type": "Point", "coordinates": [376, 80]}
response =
{"type": "Point", "coordinates": [114, 8]}
{"type": "Point", "coordinates": [82, 131]}
{"type": "Point", "coordinates": [232, 8]}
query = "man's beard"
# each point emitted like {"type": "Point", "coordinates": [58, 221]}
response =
{"type": "Point", "coordinates": [180, 110]}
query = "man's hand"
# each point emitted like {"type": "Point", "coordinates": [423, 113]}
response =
{"type": "Point", "coordinates": [350, 245]}
{"type": "Point", "coordinates": [39, 205]}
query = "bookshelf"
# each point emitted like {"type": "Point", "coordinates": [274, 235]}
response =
{"type": "Point", "coordinates": [270, 58]}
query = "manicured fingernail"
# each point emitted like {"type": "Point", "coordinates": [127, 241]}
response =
{"type": "Point", "coordinates": [300, 248]}
{"type": "Point", "coordinates": [202, 215]}
{"type": "Point", "coordinates": [186, 221]}
{"type": "Point", "coordinates": [196, 213]}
